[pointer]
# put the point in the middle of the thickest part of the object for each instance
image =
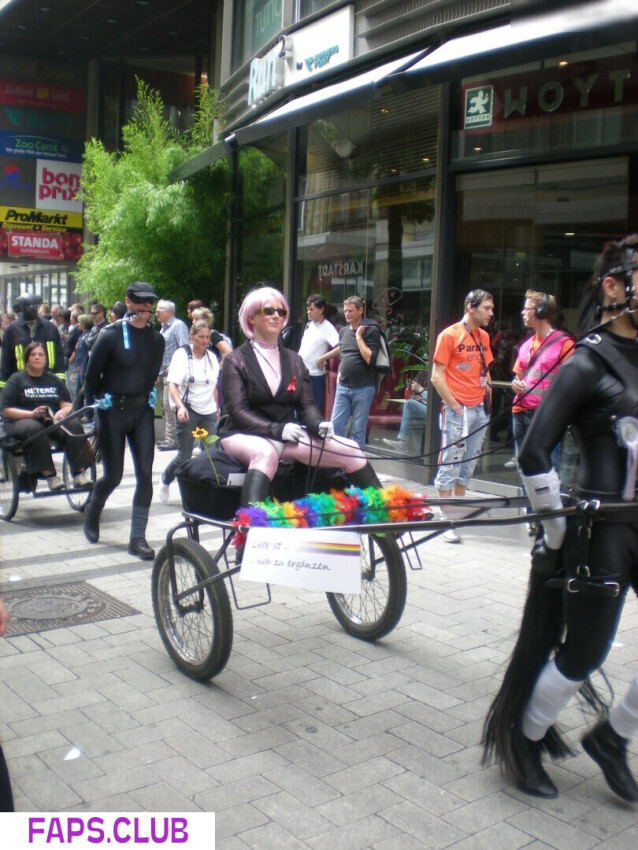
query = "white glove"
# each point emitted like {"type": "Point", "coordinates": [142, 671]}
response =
{"type": "Point", "coordinates": [291, 433]}
{"type": "Point", "coordinates": [326, 430]}
{"type": "Point", "coordinates": [543, 492]}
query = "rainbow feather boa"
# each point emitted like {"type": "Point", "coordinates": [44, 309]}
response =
{"type": "Point", "coordinates": [352, 506]}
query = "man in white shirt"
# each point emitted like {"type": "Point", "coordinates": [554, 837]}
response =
{"type": "Point", "coordinates": [319, 337]}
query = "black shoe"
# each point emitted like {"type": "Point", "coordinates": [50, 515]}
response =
{"type": "Point", "coordinates": [609, 750]}
{"type": "Point", "coordinates": [92, 514]}
{"type": "Point", "coordinates": [139, 547]}
{"type": "Point", "coordinates": [532, 777]}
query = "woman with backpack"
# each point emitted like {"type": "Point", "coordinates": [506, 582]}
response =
{"type": "Point", "coordinates": [192, 380]}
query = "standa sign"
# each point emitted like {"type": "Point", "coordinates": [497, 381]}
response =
{"type": "Point", "coordinates": [479, 107]}
{"type": "Point", "coordinates": [57, 185]}
{"type": "Point", "coordinates": [25, 243]}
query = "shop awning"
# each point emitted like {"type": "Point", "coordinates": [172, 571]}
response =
{"type": "Point", "coordinates": [361, 88]}
{"type": "Point", "coordinates": [588, 25]}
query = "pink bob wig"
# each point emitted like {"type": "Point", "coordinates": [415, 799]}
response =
{"type": "Point", "coordinates": [252, 304]}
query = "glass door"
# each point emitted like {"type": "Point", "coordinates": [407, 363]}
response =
{"type": "Point", "coordinates": [536, 228]}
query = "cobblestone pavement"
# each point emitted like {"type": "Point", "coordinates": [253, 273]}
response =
{"type": "Point", "coordinates": [309, 738]}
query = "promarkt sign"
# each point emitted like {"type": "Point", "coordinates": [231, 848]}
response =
{"type": "Point", "coordinates": [23, 218]}
{"type": "Point", "coordinates": [57, 185]}
{"type": "Point", "coordinates": [25, 243]}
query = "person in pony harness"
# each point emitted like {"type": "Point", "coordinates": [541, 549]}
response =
{"type": "Point", "coordinates": [582, 566]}
{"type": "Point", "coordinates": [122, 371]}
{"type": "Point", "coordinates": [539, 356]}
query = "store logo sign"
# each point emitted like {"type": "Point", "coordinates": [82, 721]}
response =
{"type": "Point", "coordinates": [266, 75]}
{"type": "Point", "coordinates": [479, 107]}
{"type": "Point", "coordinates": [57, 185]}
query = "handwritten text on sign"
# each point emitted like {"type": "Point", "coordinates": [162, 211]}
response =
{"type": "Point", "coordinates": [315, 559]}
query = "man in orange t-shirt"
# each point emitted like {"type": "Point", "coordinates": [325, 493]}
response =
{"type": "Point", "coordinates": [460, 376]}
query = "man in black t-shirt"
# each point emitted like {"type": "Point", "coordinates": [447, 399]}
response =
{"type": "Point", "coordinates": [122, 369]}
{"type": "Point", "coordinates": [357, 380]}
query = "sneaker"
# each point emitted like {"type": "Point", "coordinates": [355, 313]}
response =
{"type": "Point", "coordinates": [450, 536]}
{"type": "Point", "coordinates": [163, 490]}
{"type": "Point", "coordinates": [396, 445]}
{"type": "Point", "coordinates": [55, 483]}
{"type": "Point", "coordinates": [82, 480]}
{"type": "Point", "coordinates": [511, 463]}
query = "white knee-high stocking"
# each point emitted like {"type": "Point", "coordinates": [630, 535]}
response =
{"type": "Point", "coordinates": [624, 716]}
{"type": "Point", "coordinates": [551, 693]}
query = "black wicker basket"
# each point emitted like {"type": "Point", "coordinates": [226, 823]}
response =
{"type": "Point", "coordinates": [211, 500]}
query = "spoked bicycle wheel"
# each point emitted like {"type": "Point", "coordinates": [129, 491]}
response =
{"type": "Point", "coordinates": [9, 486]}
{"type": "Point", "coordinates": [197, 630]}
{"type": "Point", "coordinates": [77, 499]}
{"type": "Point", "coordinates": [377, 609]}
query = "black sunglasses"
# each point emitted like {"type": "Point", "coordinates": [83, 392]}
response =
{"type": "Point", "coordinates": [270, 311]}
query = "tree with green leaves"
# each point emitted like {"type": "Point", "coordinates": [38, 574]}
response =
{"type": "Point", "coordinates": [172, 235]}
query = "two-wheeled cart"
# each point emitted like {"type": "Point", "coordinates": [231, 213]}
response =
{"type": "Point", "coordinates": [190, 584]}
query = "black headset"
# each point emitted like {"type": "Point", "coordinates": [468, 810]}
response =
{"type": "Point", "coordinates": [541, 311]}
{"type": "Point", "coordinates": [626, 269]}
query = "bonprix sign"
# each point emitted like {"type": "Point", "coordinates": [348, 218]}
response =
{"type": "Point", "coordinates": [319, 47]}
{"type": "Point", "coordinates": [41, 96]}
{"type": "Point", "coordinates": [32, 145]}
{"type": "Point", "coordinates": [57, 185]}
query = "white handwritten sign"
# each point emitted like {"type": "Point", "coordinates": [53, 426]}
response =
{"type": "Point", "coordinates": [312, 558]}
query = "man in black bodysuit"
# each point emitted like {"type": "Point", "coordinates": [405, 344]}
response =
{"type": "Point", "coordinates": [122, 371]}
{"type": "Point", "coordinates": [582, 567]}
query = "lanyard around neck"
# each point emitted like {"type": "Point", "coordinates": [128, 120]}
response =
{"type": "Point", "coordinates": [479, 344]}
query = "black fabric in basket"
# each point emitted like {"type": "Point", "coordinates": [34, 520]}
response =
{"type": "Point", "coordinates": [202, 483]}
{"type": "Point", "coordinates": [211, 467]}
{"type": "Point", "coordinates": [211, 500]}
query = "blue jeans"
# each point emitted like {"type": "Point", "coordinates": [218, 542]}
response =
{"type": "Point", "coordinates": [317, 385]}
{"type": "Point", "coordinates": [413, 424]}
{"type": "Point", "coordinates": [355, 402]}
{"type": "Point", "coordinates": [459, 454]}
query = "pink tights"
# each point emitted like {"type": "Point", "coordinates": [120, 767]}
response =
{"type": "Point", "coordinates": [263, 454]}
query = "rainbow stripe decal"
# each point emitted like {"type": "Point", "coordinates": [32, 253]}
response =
{"type": "Point", "coordinates": [330, 548]}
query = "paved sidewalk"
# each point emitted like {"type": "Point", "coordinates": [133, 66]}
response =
{"type": "Point", "coordinates": [309, 738]}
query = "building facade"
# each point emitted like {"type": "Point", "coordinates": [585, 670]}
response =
{"type": "Point", "coordinates": [426, 149]}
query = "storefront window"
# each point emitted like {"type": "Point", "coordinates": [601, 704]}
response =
{"type": "Point", "coordinates": [258, 243]}
{"type": "Point", "coordinates": [577, 102]}
{"type": "Point", "coordinates": [256, 23]}
{"type": "Point", "coordinates": [537, 228]}
{"type": "Point", "coordinates": [365, 219]}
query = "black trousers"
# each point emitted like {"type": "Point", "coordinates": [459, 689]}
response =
{"type": "Point", "coordinates": [38, 452]}
{"type": "Point", "coordinates": [6, 796]}
{"type": "Point", "coordinates": [591, 621]}
{"type": "Point", "coordinates": [115, 427]}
